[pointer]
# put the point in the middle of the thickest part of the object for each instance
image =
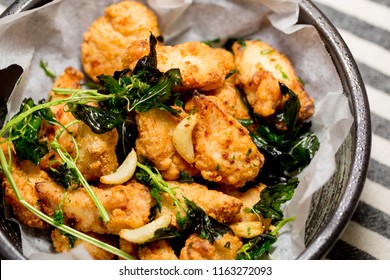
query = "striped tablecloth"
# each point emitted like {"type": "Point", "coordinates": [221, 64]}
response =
{"type": "Point", "coordinates": [365, 26]}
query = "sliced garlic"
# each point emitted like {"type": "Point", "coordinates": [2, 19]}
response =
{"type": "Point", "coordinates": [182, 138]}
{"type": "Point", "coordinates": [146, 232]}
{"type": "Point", "coordinates": [124, 172]}
{"type": "Point", "coordinates": [247, 229]}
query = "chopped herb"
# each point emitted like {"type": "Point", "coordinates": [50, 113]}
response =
{"type": "Point", "coordinates": [65, 176]}
{"type": "Point", "coordinates": [246, 122]}
{"type": "Point", "coordinates": [184, 177]}
{"type": "Point", "coordinates": [279, 68]}
{"type": "Point", "coordinates": [241, 42]}
{"type": "Point", "coordinates": [212, 43]}
{"type": "Point", "coordinates": [58, 216]}
{"type": "Point", "coordinates": [229, 43]}
{"type": "Point", "coordinates": [71, 239]}
{"type": "Point", "coordinates": [231, 72]}
{"type": "Point", "coordinates": [301, 81]}
{"type": "Point", "coordinates": [49, 73]}
{"type": "Point", "coordinates": [265, 52]}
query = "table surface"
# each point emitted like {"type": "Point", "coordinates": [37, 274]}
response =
{"type": "Point", "coordinates": [365, 27]}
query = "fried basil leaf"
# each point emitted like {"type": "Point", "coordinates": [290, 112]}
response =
{"type": "Point", "coordinates": [25, 134]}
{"type": "Point", "coordinates": [202, 224]}
{"type": "Point", "coordinates": [256, 247]}
{"type": "Point", "coordinates": [99, 120]}
{"type": "Point", "coordinates": [272, 198]}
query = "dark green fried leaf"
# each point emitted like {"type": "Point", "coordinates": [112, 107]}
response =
{"type": "Point", "coordinates": [205, 226]}
{"type": "Point", "coordinates": [65, 176]}
{"type": "Point", "coordinates": [25, 135]}
{"type": "Point", "coordinates": [290, 108]}
{"type": "Point", "coordinates": [256, 247]}
{"type": "Point", "coordinates": [99, 120]}
{"type": "Point", "coordinates": [272, 198]}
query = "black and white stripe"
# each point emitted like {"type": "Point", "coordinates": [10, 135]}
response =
{"type": "Point", "coordinates": [365, 27]}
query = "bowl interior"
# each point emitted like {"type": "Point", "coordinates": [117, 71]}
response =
{"type": "Point", "coordinates": [333, 205]}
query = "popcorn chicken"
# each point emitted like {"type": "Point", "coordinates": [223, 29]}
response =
{"type": "Point", "coordinates": [107, 38]}
{"type": "Point", "coordinates": [229, 99]}
{"type": "Point", "coordinates": [25, 175]}
{"type": "Point", "coordinates": [261, 68]}
{"type": "Point", "coordinates": [224, 151]}
{"type": "Point", "coordinates": [201, 66]}
{"type": "Point", "coordinates": [154, 143]}
{"type": "Point", "coordinates": [157, 250]}
{"type": "Point", "coordinates": [215, 204]}
{"type": "Point", "coordinates": [225, 248]}
{"type": "Point", "coordinates": [128, 206]}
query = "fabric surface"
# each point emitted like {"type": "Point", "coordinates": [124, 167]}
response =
{"type": "Point", "coordinates": [365, 26]}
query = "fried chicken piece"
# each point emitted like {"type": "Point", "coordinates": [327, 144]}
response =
{"type": "Point", "coordinates": [97, 152]}
{"type": "Point", "coordinates": [225, 248]}
{"type": "Point", "coordinates": [201, 66]}
{"type": "Point", "coordinates": [157, 250]}
{"type": "Point", "coordinates": [70, 78]}
{"type": "Point", "coordinates": [260, 69]}
{"type": "Point", "coordinates": [62, 244]}
{"type": "Point", "coordinates": [229, 98]}
{"type": "Point", "coordinates": [154, 143]}
{"type": "Point", "coordinates": [248, 198]}
{"type": "Point", "coordinates": [108, 36]}
{"type": "Point", "coordinates": [25, 175]}
{"type": "Point", "coordinates": [128, 247]}
{"type": "Point", "coordinates": [224, 151]}
{"type": "Point", "coordinates": [215, 204]}
{"type": "Point", "coordinates": [128, 206]}
{"type": "Point", "coordinates": [97, 155]}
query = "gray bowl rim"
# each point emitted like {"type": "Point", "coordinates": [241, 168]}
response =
{"type": "Point", "coordinates": [353, 83]}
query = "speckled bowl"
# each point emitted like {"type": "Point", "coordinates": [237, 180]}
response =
{"type": "Point", "coordinates": [331, 209]}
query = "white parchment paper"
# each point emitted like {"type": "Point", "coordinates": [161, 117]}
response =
{"type": "Point", "coordinates": [53, 33]}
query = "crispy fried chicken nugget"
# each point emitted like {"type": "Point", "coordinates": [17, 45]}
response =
{"type": "Point", "coordinates": [25, 175]}
{"type": "Point", "coordinates": [201, 66]}
{"type": "Point", "coordinates": [128, 247]}
{"type": "Point", "coordinates": [108, 37]}
{"type": "Point", "coordinates": [261, 68]}
{"type": "Point", "coordinates": [128, 206]}
{"type": "Point", "coordinates": [248, 198]}
{"type": "Point", "coordinates": [225, 248]}
{"type": "Point", "coordinates": [70, 78]}
{"type": "Point", "coordinates": [97, 155]}
{"type": "Point", "coordinates": [154, 143]}
{"type": "Point", "coordinates": [61, 244]}
{"type": "Point", "coordinates": [216, 204]}
{"type": "Point", "coordinates": [224, 151]}
{"type": "Point", "coordinates": [229, 98]}
{"type": "Point", "coordinates": [157, 250]}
